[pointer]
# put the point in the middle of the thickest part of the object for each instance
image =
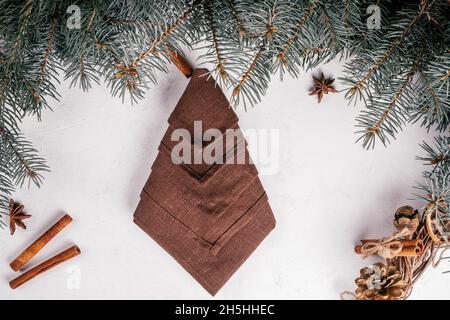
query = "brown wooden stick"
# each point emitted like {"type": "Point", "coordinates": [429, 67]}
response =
{"type": "Point", "coordinates": [37, 245]}
{"type": "Point", "coordinates": [180, 62]}
{"type": "Point", "coordinates": [44, 266]}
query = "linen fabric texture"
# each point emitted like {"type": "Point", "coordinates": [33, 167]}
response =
{"type": "Point", "coordinates": [209, 217]}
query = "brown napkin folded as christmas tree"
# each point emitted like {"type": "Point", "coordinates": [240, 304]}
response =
{"type": "Point", "coordinates": [209, 217]}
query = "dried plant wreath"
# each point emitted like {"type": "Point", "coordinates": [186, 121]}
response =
{"type": "Point", "coordinates": [421, 239]}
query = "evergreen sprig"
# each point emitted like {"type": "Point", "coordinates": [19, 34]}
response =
{"type": "Point", "coordinates": [400, 71]}
{"type": "Point", "coordinates": [435, 192]}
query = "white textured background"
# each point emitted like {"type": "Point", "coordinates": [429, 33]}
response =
{"type": "Point", "coordinates": [327, 194]}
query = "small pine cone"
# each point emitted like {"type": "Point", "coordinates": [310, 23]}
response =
{"type": "Point", "coordinates": [380, 282]}
{"type": "Point", "coordinates": [406, 217]}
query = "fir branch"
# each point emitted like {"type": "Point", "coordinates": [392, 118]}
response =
{"type": "Point", "coordinates": [163, 36]}
{"type": "Point", "coordinates": [433, 106]}
{"type": "Point", "coordinates": [26, 165]}
{"type": "Point", "coordinates": [281, 56]}
{"type": "Point", "coordinates": [130, 21]}
{"type": "Point", "coordinates": [445, 77]}
{"type": "Point", "coordinates": [17, 45]}
{"type": "Point", "coordinates": [6, 183]}
{"type": "Point", "coordinates": [430, 89]}
{"type": "Point", "coordinates": [48, 50]}
{"type": "Point", "coordinates": [242, 30]}
{"type": "Point", "coordinates": [248, 72]}
{"type": "Point", "coordinates": [346, 13]}
{"type": "Point", "coordinates": [91, 20]}
{"type": "Point", "coordinates": [330, 28]}
{"type": "Point", "coordinates": [438, 154]}
{"type": "Point", "coordinates": [220, 63]}
{"type": "Point", "coordinates": [84, 78]}
{"type": "Point", "coordinates": [435, 192]}
{"type": "Point", "coordinates": [124, 43]}
{"type": "Point", "coordinates": [3, 212]}
{"type": "Point", "coordinates": [24, 20]}
{"type": "Point", "coordinates": [382, 123]}
{"type": "Point", "coordinates": [382, 119]}
{"type": "Point", "coordinates": [316, 50]}
{"type": "Point", "coordinates": [360, 85]}
{"type": "Point", "coordinates": [80, 68]}
{"type": "Point", "coordinates": [270, 27]}
{"type": "Point", "coordinates": [34, 94]}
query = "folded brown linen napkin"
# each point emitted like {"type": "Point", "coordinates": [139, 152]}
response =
{"type": "Point", "coordinates": [208, 208]}
{"type": "Point", "coordinates": [209, 217]}
{"type": "Point", "coordinates": [212, 193]}
{"type": "Point", "coordinates": [203, 100]}
{"type": "Point", "coordinates": [210, 265]}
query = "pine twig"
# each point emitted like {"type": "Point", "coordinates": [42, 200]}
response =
{"type": "Point", "coordinates": [48, 50]}
{"type": "Point", "coordinates": [358, 86]}
{"type": "Point", "coordinates": [220, 65]}
{"type": "Point", "coordinates": [281, 56]}
{"type": "Point", "coordinates": [163, 36]}
{"type": "Point", "coordinates": [247, 72]}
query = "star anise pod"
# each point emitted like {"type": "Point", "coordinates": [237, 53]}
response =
{"type": "Point", "coordinates": [16, 215]}
{"type": "Point", "coordinates": [322, 86]}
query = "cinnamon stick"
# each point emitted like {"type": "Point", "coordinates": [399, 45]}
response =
{"type": "Point", "coordinates": [46, 265]}
{"type": "Point", "coordinates": [358, 249]}
{"type": "Point", "coordinates": [37, 245]}
{"type": "Point", "coordinates": [410, 248]}
{"type": "Point", "coordinates": [180, 62]}
{"type": "Point", "coordinates": [410, 252]}
{"type": "Point", "coordinates": [405, 243]}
